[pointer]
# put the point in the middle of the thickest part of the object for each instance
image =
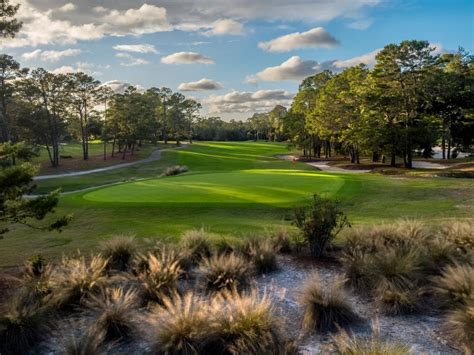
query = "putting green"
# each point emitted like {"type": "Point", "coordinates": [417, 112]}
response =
{"type": "Point", "coordinates": [259, 186]}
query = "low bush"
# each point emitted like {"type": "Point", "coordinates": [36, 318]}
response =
{"type": "Point", "coordinates": [263, 255]}
{"type": "Point", "coordinates": [175, 170]}
{"type": "Point", "coordinates": [460, 325]}
{"type": "Point", "coordinates": [160, 278]}
{"type": "Point", "coordinates": [119, 252]}
{"type": "Point", "coordinates": [320, 223]}
{"type": "Point", "coordinates": [455, 285]}
{"type": "Point", "coordinates": [113, 312]}
{"type": "Point", "coordinates": [75, 279]}
{"type": "Point", "coordinates": [326, 307]}
{"type": "Point", "coordinates": [197, 243]}
{"type": "Point", "coordinates": [221, 272]}
{"type": "Point", "coordinates": [344, 344]}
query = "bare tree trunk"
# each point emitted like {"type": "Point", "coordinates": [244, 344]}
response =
{"type": "Point", "coordinates": [124, 151]}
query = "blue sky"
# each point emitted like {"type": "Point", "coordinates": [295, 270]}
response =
{"type": "Point", "coordinates": [219, 51]}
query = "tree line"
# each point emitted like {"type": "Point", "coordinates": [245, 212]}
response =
{"type": "Point", "coordinates": [44, 108]}
{"type": "Point", "coordinates": [411, 100]}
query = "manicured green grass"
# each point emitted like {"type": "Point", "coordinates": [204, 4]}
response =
{"type": "Point", "coordinates": [231, 188]}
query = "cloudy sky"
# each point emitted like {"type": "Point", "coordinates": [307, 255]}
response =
{"type": "Point", "coordinates": [235, 56]}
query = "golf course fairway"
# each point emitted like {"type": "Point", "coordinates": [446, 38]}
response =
{"type": "Point", "coordinates": [236, 189]}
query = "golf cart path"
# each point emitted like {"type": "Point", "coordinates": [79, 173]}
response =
{"type": "Point", "coordinates": [154, 156]}
{"type": "Point", "coordinates": [324, 165]}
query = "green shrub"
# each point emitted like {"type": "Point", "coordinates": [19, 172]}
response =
{"type": "Point", "coordinates": [161, 276]}
{"type": "Point", "coordinates": [460, 325]}
{"type": "Point", "coordinates": [75, 279]}
{"type": "Point", "coordinates": [455, 285]}
{"type": "Point", "coordinates": [113, 311]}
{"type": "Point", "coordinates": [320, 223]}
{"type": "Point", "coordinates": [326, 307]}
{"type": "Point", "coordinates": [119, 251]}
{"type": "Point", "coordinates": [221, 272]}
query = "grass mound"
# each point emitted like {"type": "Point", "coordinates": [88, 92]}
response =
{"type": "Point", "coordinates": [326, 307]}
{"type": "Point", "coordinates": [344, 344]}
{"type": "Point", "coordinates": [113, 310]}
{"type": "Point", "coordinates": [75, 279]}
{"type": "Point", "coordinates": [160, 277]}
{"type": "Point", "coordinates": [119, 252]}
{"type": "Point", "coordinates": [224, 272]}
{"type": "Point", "coordinates": [455, 286]}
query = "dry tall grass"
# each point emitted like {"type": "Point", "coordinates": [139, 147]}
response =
{"type": "Point", "coordinates": [326, 307]}
{"type": "Point", "coordinates": [224, 272]}
{"type": "Point", "coordinates": [119, 251]}
{"type": "Point", "coordinates": [113, 311]}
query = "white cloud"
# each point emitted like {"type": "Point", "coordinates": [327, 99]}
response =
{"type": "Point", "coordinates": [46, 23]}
{"type": "Point", "coordinates": [65, 69]}
{"type": "Point", "coordinates": [130, 60]}
{"type": "Point", "coordinates": [117, 86]}
{"type": "Point", "coordinates": [50, 56]}
{"type": "Point", "coordinates": [145, 19]}
{"type": "Point", "coordinates": [246, 101]}
{"type": "Point", "coordinates": [360, 24]}
{"type": "Point", "coordinates": [84, 67]}
{"type": "Point", "coordinates": [225, 27]}
{"type": "Point", "coordinates": [293, 69]}
{"type": "Point", "coordinates": [367, 59]}
{"type": "Point", "coordinates": [297, 69]}
{"type": "Point", "coordinates": [136, 48]}
{"type": "Point", "coordinates": [316, 37]}
{"type": "Point", "coordinates": [201, 85]}
{"type": "Point", "coordinates": [186, 58]}
{"type": "Point", "coordinates": [67, 7]}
